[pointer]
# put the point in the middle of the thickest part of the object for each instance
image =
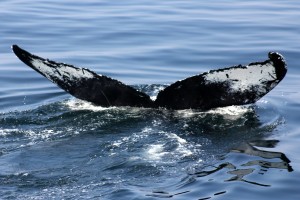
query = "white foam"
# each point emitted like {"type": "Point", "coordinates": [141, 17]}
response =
{"type": "Point", "coordinates": [153, 98]}
{"type": "Point", "coordinates": [5, 132]}
{"type": "Point", "coordinates": [77, 104]}
{"type": "Point", "coordinates": [230, 110]}
{"type": "Point", "coordinates": [155, 152]}
{"type": "Point", "coordinates": [182, 148]}
{"type": "Point", "coordinates": [156, 90]}
{"type": "Point", "coordinates": [177, 138]}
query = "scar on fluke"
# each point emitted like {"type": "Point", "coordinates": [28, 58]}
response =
{"type": "Point", "coordinates": [237, 85]}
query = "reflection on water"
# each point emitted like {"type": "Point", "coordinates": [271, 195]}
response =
{"type": "Point", "coordinates": [250, 149]}
{"type": "Point", "coordinates": [260, 162]}
{"type": "Point", "coordinates": [263, 160]}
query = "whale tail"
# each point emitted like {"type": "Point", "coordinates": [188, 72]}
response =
{"type": "Point", "coordinates": [236, 85]}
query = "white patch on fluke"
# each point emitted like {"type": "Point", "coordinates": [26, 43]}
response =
{"type": "Point", "coordinates": [60, 71]}
{"type": "Point", "coordinates": [242, 79]}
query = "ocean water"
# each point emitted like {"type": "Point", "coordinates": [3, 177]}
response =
{"type": "Point", "coordinates": [53, 146]}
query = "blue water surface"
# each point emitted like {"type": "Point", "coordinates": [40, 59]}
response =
{"type": "Point", "coordinates": [53, 146]}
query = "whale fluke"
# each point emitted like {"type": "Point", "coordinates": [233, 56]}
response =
{"type": "Point", "coordinates": [85, 84]}
{"type": "Point", "coordinates": [237, 85]}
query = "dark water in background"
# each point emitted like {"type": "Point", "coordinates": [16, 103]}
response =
{"type": "Point", "coordinates": [54, 146]}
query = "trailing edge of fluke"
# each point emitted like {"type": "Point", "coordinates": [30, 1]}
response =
{"type": "Point", "coordinates": [237, 85]}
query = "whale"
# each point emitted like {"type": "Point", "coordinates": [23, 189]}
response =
{"type": "Point", "coordinates": [236, 85]}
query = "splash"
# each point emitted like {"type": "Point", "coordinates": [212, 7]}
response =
{"type": "Point", "coordinates": [155, 152]}
{"type": "Point", "coordinates": [228, 113]}
{"type": "Point", "coordinates": [77, 104]}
